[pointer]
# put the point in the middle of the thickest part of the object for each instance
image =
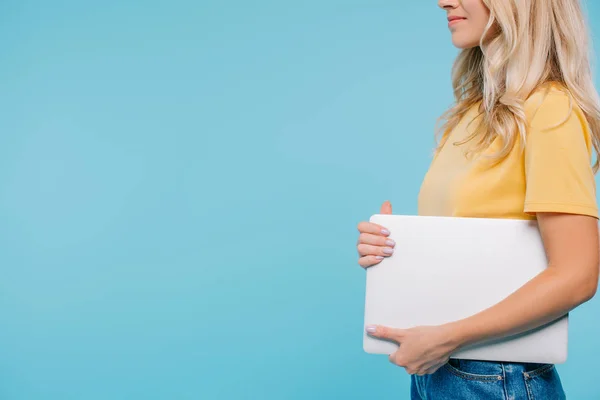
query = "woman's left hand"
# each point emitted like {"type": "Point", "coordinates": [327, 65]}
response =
{"type": "Point", "coordinates": [423, 349]}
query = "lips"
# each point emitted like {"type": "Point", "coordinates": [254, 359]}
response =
{"type": "Point", "coordinates": [453, 20]}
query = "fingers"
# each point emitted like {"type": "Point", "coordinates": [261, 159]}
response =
{"type": "Point", "coordinates": [414, 368]}
{"type": "Point", "coordinates": [376, 240]}
{"type": "Point", "coordinates": [371, 255]}
{"type": "Point", "coordinates": [384, 332]}
{"type": "Point", "coordinates": [369, 261]}
{"type": "Point", "coordinates": [373, 243]}
{"type": "Point", "coordinates": [372, 228]}
{"type": "Point", "coordinates": [397, 359]}
{"type": "Point", "coordinates": [386, 208]}
{"type": "Point", "coordinates": [371, 250]}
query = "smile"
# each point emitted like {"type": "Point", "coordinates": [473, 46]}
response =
{"type": "Point", "coordinates": [455, 20]}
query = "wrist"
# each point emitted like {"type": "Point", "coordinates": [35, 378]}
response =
{"type": "Point", "coordinates": [457, 334]}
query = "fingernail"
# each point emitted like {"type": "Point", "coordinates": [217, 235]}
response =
{"type": "Point", "coordinates": [379, 257]}
{"type": "Point", "coordinates": [387, 250]}
{"type": "Point", "coordinates": [371, 329]}
{"type": "Point", "coordinates": [390, 242]}
{"type": "Point", "coordinates": [385, 232]}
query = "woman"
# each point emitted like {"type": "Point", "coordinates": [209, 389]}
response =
{"type": "Point", "coordinates": [518, 143]}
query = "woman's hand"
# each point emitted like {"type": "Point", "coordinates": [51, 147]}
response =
{"type": "Point", "coordinates": [423, 349]}
{"type": "Point", "coordinates": [373, 243]}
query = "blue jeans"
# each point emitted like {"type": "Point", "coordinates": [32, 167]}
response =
{"type": "Point", "coordinates": [476, 380]}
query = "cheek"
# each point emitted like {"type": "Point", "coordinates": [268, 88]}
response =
{"type": "Point", "coordinates": [477, 11]}
{"type": "Point", "coordinates": [482, 18]}
{"type": "Point", "coordinates": [474, 6]}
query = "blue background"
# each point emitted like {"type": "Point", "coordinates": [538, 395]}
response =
{"type": "Point", "coordinates": [180, 184]}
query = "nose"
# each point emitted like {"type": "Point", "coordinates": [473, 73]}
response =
{"type": "Point", "coordinates": [448, 4]}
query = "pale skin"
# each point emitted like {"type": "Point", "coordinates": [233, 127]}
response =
{"type": "Point", "coordinates": [571, 243]}
{"type": "Point", "coordinates": [467, 20]}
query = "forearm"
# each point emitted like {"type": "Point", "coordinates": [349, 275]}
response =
{"type": "Point", "coordinates": [548, 296]}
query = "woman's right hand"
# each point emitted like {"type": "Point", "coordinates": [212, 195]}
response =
{"type": "Point", "coordinates": [373, 242]}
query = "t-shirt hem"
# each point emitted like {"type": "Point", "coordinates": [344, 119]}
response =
{"type": "Point", "coordinates": [532, 208]}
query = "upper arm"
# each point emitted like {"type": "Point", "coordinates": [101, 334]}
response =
{"type": "Point", "coordinates": [558, 168]}
{"type": "Point", "coordinates": [561, 189]}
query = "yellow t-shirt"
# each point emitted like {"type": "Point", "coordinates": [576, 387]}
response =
{"type": "Point", "coordinates": [553, 173]}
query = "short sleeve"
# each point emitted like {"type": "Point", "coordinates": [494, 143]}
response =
{"type": "Point", "coordinates": [558, 169]}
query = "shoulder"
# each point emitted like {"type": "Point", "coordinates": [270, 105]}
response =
{"type": "Point", "coordinates": [555, 118]}
{"type": "Point", "coordinates": [552, 105]}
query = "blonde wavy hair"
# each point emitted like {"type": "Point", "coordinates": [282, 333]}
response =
{"type": "Point", "coordinates": [526, 44]}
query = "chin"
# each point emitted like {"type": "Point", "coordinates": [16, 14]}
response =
{"type": "Point", "coordinates": [464, 44]}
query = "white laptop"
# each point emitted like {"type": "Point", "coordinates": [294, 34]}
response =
{"type": "Point", "coordinates": [448, 268]}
